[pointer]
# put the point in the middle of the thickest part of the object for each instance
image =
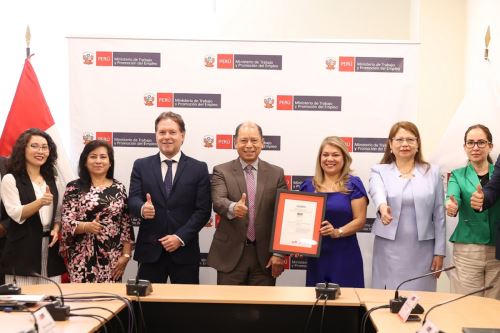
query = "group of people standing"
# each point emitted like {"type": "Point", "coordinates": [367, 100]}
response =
{"type": "Point", "coordinates": [172, 195]}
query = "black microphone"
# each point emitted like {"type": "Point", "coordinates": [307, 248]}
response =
{"type": "Point", "coordinates": [456, 299]}
{"type": "Point", "coordinates": [397, 302]}
{"type": "Point", "coordinates": [57, 310]}
{"type": "Point", "coordinates": [327, 290]}
{"type": "Point", "coordinates": [136, 287]}
{"type": "Point", "coordinates": [10, 288]}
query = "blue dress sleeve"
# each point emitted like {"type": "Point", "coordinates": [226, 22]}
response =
{"type": "Point", "coordinates": [356, 186]}
{"type": "Point", "coordinates": [307, 186]}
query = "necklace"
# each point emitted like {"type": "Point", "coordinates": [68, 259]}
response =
{"type": "Point", "coordinates": [38, 181]}
{"type": "Point", "coordinates": [406, 174]}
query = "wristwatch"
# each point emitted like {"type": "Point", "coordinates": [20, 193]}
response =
{"type": "Point", "coordinates": [341, 232]}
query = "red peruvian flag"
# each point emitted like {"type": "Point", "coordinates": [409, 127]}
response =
{"type": "Point", "coordinates": [29, 109]}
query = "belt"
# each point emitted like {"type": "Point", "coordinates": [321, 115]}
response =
{"type": "Point", "coordinates": [46, 233]}
{"type": "Point", "coordinates": [249, 242]}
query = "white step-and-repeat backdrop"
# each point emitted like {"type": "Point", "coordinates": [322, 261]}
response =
{"type": "Point", "coordinates": [299, 92]}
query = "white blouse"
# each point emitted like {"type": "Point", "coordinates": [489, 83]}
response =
{"type": "Point", "coordinates": [12, 202]}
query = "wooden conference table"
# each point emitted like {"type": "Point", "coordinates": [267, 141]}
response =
{"type": "Point", "coordinates": [23, 322]}
{"type": "Point", "coordinates": [186, 308]}
{"type": "Point", "coordinates": [471, 311]}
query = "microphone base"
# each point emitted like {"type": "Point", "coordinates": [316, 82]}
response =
{"type": "Point", "coordinates": [395, 305]}
{"type": "Point", "coordinates": [10, 289]}
{"type": "Point", "coordinates": [327, 290]}
{"type": "Point", "coordinates": [139, 287]}
{"type": "Point", "coordinates": [57, 311]}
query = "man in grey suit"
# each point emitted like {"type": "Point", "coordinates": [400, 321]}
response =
{"type": "Point", "coordinates": [243, 194]}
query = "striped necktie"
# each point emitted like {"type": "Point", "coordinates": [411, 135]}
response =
{"type": "Point", "coordinates": [250, 180]}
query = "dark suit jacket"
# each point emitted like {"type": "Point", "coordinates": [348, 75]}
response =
{"type": "Point", "coordinates": [491, 194]}
{"type": "Point", "coordinates": [22, 254]}
{"type": "Point", "coordinates": [4, 221]}
{"type": "Point", "coordinates": [228, 184]}
{"type": "Point", "coordinates": [184, 213]}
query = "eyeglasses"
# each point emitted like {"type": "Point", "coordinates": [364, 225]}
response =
{"type": "Point", "coordinates": [479, 143]}
{"type": "Point", "coordinates": [410, 141]}
{"type": "Point", "coordinates": [37, 147]}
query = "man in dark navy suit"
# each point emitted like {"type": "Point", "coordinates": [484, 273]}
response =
{"type": "Point", "coordinates": [485, 197]}
{"type": "Point", "coordinates": [170, 192]}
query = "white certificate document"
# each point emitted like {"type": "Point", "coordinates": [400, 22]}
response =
{"type": "Point", "coordinates": [298, 223]}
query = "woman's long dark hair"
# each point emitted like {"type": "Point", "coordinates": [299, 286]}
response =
{"type": "Point", "coordinates": [83, 172]}
{"type": "Point", "coordinates": [17, 161]}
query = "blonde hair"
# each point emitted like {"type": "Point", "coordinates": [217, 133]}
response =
{"type": "Point", "coordinates": [319, 176]}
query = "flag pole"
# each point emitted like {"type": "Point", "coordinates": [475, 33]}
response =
{"type": "Point", "coordinates": [28, 39]}
{"type": "Point", "coordinates": [487, 38]}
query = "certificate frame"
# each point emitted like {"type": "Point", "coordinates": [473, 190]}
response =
{"type": "Point", "coordinates": [313, 246]}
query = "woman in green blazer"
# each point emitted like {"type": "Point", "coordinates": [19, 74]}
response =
{"type": "Point", "coordinates": [474, 236]}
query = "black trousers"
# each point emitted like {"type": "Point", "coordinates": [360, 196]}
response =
{"type": "Point", "coordinates": [164, 268]}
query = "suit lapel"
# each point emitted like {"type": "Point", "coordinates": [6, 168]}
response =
{"type": "Point", "coordinates": [156, 169]}
{"type": "Point", "coordinates": [398, 185]}
{"type": "Point", "coordinates": [180, 169]}
{"type": "Point", "coordinates": [471, 175]}
{"type": "Point", "coordinates": [239, 176]}
{"type": "Point", "coordinates": [262, 174]}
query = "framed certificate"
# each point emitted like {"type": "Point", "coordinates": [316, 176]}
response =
{"type": "Point", "coordinates": [297, 220]}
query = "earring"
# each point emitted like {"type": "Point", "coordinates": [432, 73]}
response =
{"type": "Point", "coordinates": [391, 151]}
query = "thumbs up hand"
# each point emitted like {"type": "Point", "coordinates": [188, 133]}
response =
{"type": "Point", "coordinates": [47, 197]}
{"type": "Point", "coordinates": [95, 226]}
{"type": "Point", "coordinates": [477, 199]}
{"type": "Point", "coordinates": [451, 206]}
{"type": "Point", "coordinates": [241, 209]}
{"type": "Point", "coordinates": [148, 210]}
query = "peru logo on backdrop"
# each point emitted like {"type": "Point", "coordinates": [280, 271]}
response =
{"type": "Point", "coordinates": [208, 141]}
{"type": "Point", "coordinates": [209, 60]}
{"type": "Point", "coordinates": [165, 100]}
{"type": "Point", "coordinates": [189, 100]}
{"type": "Point", "coordinates": [348, 142]}
{"type": "Point", "coordinates": [88, 58]}
{"type": "Point", "coordinates": [225, 61]}
{"type": "Point", "coordinates": [309, 103]}
{"type": "Point", "coordinates": [288, 181]}
{"type": "Point", "coordinates": [346, 64]}
{"type": "Point", "coordinates": [104, 58]}
{"type": "Point", "coordinates": [330, 63]}
{"type": "Point", "coordinates": [87, 137]}
{"type": "Point", "coordinates": [268, 102]}
{"type": "Point", "coordinates": [224, 141]}
{"type": "Point", "coordinates": [285, 102]}
{"type": "Point", "coordinates": [149, 99]}
{"type": "Point", "coordinates": [105, 136]}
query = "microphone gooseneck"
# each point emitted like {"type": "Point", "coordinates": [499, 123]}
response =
{"type": "Point", "coordinates": [396, 294]}
{"type": "Point", "coordinates": [59, 312]}
{"type": "Point", "coordinates": [54, 282]}
{"type": "Point", "coordinates": [456, 299]}
{"type": "Point", "coordinates": [397, 302]}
